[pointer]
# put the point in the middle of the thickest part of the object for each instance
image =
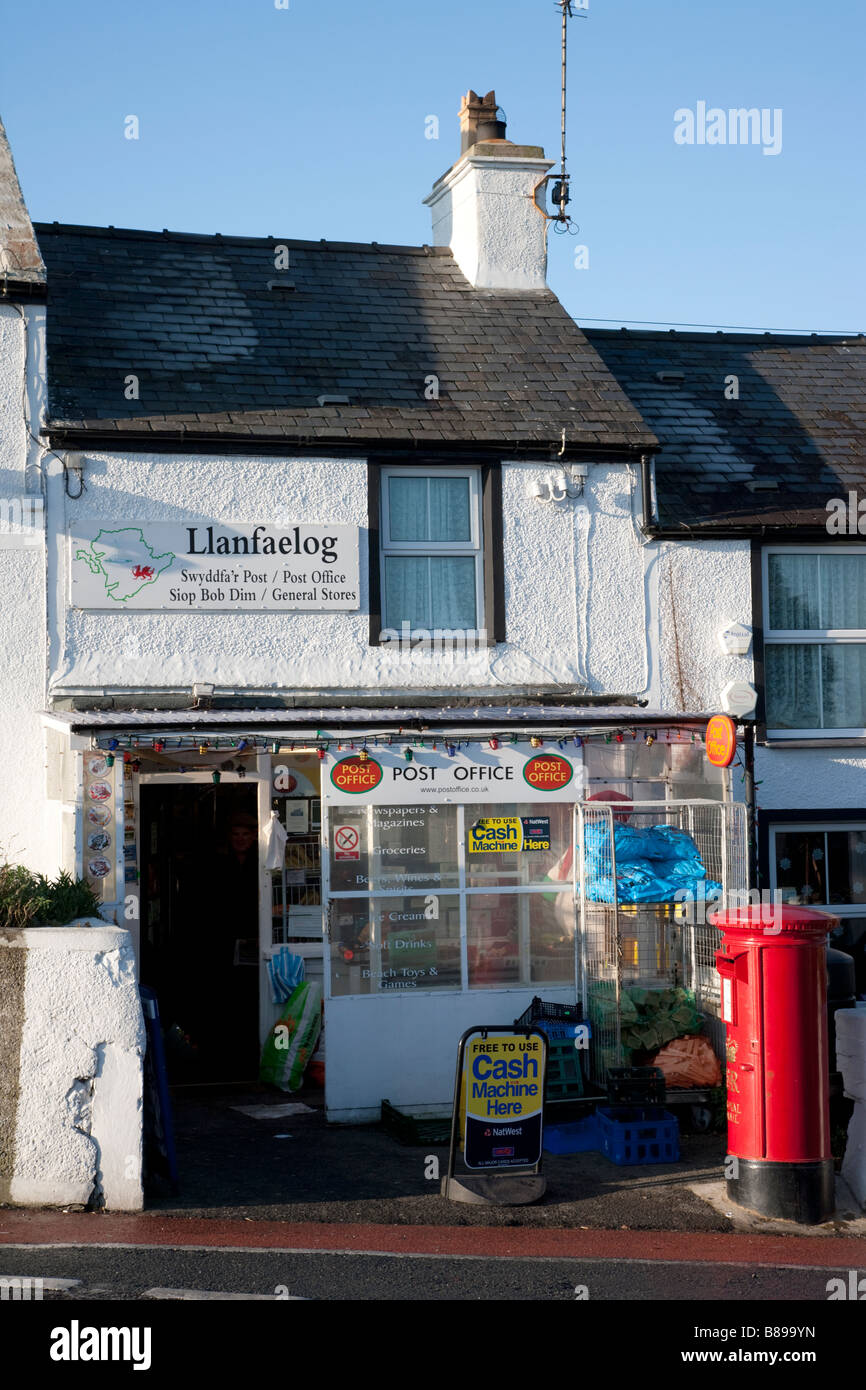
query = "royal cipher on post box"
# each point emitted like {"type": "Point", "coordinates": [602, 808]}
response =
{"type": "Point", "coordinates": [772, 965]}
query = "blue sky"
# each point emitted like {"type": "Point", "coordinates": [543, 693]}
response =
{"type": "Point", "coordinates": [310, 122]}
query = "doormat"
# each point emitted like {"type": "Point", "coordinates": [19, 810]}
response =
{"type": "Point", "coordinates": [274, 1112]}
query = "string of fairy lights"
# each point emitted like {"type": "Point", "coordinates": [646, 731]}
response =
{"type": "Point", "coordinates": [131, 746]}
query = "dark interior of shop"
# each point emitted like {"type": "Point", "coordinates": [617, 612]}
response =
{"type": "Point", "coordinates": [199, 942]}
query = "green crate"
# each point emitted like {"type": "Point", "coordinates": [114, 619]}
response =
{"type": "Point", "coordinates": [564, 1074]}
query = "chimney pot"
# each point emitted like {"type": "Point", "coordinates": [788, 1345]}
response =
{"type": "Point", "coordinates": [480, 119]}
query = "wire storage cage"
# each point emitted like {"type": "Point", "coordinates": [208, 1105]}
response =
{"type": "Point", "coordinates": [648, 875]}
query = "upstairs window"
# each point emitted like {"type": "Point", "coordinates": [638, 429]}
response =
{"type": "Point", "coordinates": [815, 640]}
{"type": "Point", "coordinates": [431, 552]}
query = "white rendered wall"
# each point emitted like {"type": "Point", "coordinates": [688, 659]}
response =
{"type": "Point", "coordinates": [798, 779]}
{"type": "Point", "coordinates": [577, 579]}
{"type": "Point", "coordinates": [589, 604]}
{"type": "Point", "coordinates": [23, 834]}
{"type": "Point", "coordinates": [79, 1121]}
{"type": "Point", "coordinates": [403, 1047]}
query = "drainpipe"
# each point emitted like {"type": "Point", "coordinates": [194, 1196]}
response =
{"type": "Point", "coordinates": [646, 493]}
{"type": "Point", "coordinates": [751, 807]}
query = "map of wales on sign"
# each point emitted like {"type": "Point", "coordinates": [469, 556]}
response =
{"type": "Point", "coordinates": [123, 561]}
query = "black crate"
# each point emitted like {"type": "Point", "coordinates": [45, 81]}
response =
{"type": "Point", "coordinates": [415, 1129]}
{"type": "Point", "coordinates": [539, 1010]}
{"type": "Point", "coordinates": [635, 1086]}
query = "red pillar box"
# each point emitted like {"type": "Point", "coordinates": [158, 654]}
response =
{"type": "Point", "coordinates": [773, 972]}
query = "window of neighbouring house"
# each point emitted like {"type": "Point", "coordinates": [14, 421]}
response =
{"type": "Point", "coordinates": [821, 865]}
{"type": "Point", "coordinates": [431, 551]}
{"type": "Point", "coordinates": [815, 640]}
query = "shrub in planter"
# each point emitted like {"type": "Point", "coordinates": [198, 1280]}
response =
{"type": "Point", "coordinates": [32, 900]}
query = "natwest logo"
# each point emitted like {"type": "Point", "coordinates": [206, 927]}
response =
{"type": "Point", "coordinates": [354, 776]}
{"type": "Point", "coordinates": [547, 772]}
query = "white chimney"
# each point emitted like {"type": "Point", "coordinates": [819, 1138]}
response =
{"type": "Point", "coordinates": [483, 207]}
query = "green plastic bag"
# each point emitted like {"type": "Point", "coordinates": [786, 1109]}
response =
{"type": "Point", "coordinates": [293, 1038]}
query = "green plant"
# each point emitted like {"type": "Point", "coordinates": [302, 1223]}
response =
{"type": "Point", "coordinates": [28, 899]}
{"type": "Point", "coordinates": [18, 898]}
{"type": "Point", "coordinates": [64, 898]}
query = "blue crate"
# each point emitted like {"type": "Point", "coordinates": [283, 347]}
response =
{"type": "Point", "coordinates": [583, 1136]}
{"type": "Point", "coordinates": [639, 1134]}
{"type": "Point", "coordinates": [557, 1030]}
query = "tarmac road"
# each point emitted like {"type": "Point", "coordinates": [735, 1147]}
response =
{"type": "Point", "coordinates": [122, 1273]}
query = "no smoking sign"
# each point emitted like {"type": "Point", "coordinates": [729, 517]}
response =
{"type": "Point", "coordinates": [347, 842]}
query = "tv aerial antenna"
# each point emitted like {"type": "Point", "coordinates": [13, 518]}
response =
{"type": "Point", "coordinates": [559, 193]}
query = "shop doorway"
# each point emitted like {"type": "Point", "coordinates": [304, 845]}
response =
{"type": "Point", "coordinates": [200, 925]}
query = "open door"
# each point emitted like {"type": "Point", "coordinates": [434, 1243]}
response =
{"type": "Point", "coordinates": [200, 925]}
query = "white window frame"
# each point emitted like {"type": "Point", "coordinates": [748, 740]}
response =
{"type": "Point", "coordinates": [816, 827]}
{"type": "Point", "coordinates": [811, 637]}
{"type": "Point", "coordinates": [432, 549]}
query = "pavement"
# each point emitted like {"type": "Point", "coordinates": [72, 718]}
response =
{"type": "Point", "coordinates": [275, 1205]}
{"type": "Point", "coordinates": [256, 1179]}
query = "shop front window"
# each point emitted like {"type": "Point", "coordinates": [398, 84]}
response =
{"type": "Point", "coordinates": [393, 944]}
{"type": "Point", "coordinates": [410, 884]}
{"type": "Point", "coordinates": [374, 848]}
{"type": "Point", "coordinates": [511, 845]}
{"type": "Point", "coordinates": [520, 939]}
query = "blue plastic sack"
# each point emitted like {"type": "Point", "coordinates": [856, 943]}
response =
{"type": "Point", "coordinates": [286, 972]}
{"type": "Point", "coordinates": [657, 864]}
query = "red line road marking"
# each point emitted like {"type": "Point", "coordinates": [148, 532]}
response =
{"type": "Point", "coordinates": [698, 1247]}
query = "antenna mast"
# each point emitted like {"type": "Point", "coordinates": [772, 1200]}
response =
{"type": "Point", "coordinates": [559, 194]}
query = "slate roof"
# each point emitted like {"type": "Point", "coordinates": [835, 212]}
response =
{"type": "Point", "coordinates": [799, 419]}
{"type": "Point", "coordinates": [219, 353]}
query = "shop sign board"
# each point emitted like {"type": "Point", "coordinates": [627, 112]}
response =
{"type": "Point", "coordinates": [209, 566]}
{"type": "Point", "coordinates": [503, 1077]}
{"type": "Point", "coordinates": [508, 834]}
{"type": "Point", "coordinates": [721, 740]}
{"type": "Point", "coordinates": [474, 773]}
